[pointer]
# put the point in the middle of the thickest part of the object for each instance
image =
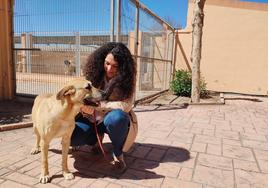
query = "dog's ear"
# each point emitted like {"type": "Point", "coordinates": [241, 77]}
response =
{"type": "Point", "coordinates": [68, 90]}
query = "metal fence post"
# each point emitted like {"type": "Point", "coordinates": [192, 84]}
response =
{"type": "Point", "coordinates": [174, 59]}
{"type": "Point", "coordinates": [112, 22]}
{"type": "Point", "coordinates": [171, 43]}
{"type": "Point", "coordinates": [77, 53]}
{"type": "Point", "coordinates": [137, 18]}
{"type": "Point", "coordinates": [118, 19]}
{"type": "Point", "coordinates": [136, 45]}
{"type": "Point", "coordinates": [28, 44]}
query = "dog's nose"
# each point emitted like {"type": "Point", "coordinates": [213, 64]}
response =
{"type": "Point", "coordinates": [88, 87]}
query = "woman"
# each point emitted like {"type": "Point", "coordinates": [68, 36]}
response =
{"type": "Point", "coordinates": [111, 64]}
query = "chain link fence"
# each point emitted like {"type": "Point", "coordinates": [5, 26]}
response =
{"type": "Point", "coordinates": [53, 39]}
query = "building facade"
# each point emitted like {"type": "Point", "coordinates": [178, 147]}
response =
{"type": "Point", "coordinates": [234, 46]}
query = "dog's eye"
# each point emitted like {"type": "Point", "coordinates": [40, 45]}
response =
{"type": "Point", "coordinates": [88, 87]}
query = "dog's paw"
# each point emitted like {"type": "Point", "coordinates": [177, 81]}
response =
{"type": "Point", "coordinates": [35, 151]}
{"type": "Point", "coordinates": [68, 175]}
{"type": "Point", "coordinates": [44, 179]}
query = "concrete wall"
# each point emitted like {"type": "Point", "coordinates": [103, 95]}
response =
{"type": "Point", "coordinates": [235, 46]}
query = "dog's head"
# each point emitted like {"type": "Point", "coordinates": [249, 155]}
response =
{"type": "Point", "coordinates": [78, 90]}
{"type": "Point", "coordinates": [67, 63]}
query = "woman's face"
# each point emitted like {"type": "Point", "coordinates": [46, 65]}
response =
{"type": "Point", "coordinates": [110, 66]}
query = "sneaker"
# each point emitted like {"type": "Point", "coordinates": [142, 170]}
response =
{"type": "Point", "coordinates": [74, 148]}
{"type": "Point", "coordinates": [119, 165]}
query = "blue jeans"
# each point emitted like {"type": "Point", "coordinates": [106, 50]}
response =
{"type": "Point", "coordinates": [115, 124]}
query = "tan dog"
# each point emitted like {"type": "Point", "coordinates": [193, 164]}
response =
{"type": "Point", "coordinates": [69, 67]}
{"type": "Point", "coordinates": [54, 116]}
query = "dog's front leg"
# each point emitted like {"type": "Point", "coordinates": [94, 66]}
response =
{"type": "Point", "coordinates": [65, 149]}
{"type": "Point", "coordinates": [36, 148]}
{"type": "Point", "coordinates": [44, 177]}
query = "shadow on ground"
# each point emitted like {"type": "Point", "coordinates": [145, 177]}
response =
{"type": "Point", "coordinates": [243, 98]}
{"type": "Point", "coordinates": [141, 161]}
{"type": "Point", "coordinates": [159, 107]}
{"type": "Point", "coordinates": [15, 111]}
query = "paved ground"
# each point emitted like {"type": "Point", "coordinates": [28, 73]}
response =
{"type": "Point", "coordinates": [205, 146]}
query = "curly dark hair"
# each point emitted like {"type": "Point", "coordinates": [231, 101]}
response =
{"type": "Point", "coordinates": [126, 79]}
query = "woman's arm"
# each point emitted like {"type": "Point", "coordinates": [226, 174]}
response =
{"type": "Point", "coordinates": [125, 105]}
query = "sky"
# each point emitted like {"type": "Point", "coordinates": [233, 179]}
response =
{"type": "Point", "coordinates": [172, 10]}
{"type": "Point", "coordinates": [175, 9]}
{"type": "Point", "coordinates": [90, 15]}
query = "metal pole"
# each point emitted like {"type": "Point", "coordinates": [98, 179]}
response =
{"type": "Point", "coordinates": [77, 53]}
{"type": "Point", "coordinates": [118, 19]}
{"type": "Point", "coordinates": [28, 54]}
{"type": "Point", "coordinates": [112, 21]}
{"type": "Point", "coordinates": [166, 56]}
{"type": "Point", "coordinates": [137, 31]}
{"type": "Point", "coordinates": [171, 43]}
{"type": "Point", "coordinates": [136, 40]}
{"type": "Point", "coordinates": [175, 39]}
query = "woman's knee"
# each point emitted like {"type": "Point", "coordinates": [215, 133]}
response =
{"type": "Point", "coordinates": [117, 118]}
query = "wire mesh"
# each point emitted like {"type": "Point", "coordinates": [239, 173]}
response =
{"type": "Point", "coordinates": [53, 39]}
{"type": "Point", "coordinates": [154, 54]}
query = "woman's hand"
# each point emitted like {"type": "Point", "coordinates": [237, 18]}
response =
{"type": "Point", "coordinates": [85, 109]}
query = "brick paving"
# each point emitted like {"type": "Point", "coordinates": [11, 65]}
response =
{"type": "Point", "coordinates": [196, 146]}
